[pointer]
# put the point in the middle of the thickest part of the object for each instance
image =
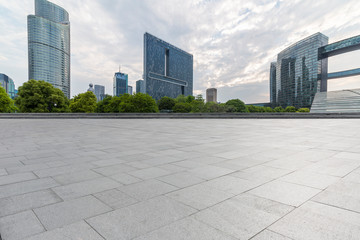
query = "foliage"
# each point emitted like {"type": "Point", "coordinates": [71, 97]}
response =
{"type": "Point", "coordinates": [101, 105]}
{"type": "Point", "coordinates": [41, 97]}
{"type": "Point", "coordinates": [304, 110]}
{"type": "Point", "coordinates": [238, 104]}
{"type": "Point", "coordinates": [166, 103]}
{"type": "Point", "coordinates": [144, 103]}
{"type": "Point", "coordinates": [268, 109]}
{"type": "Point", "coordinates": [190, 98]}
{"type": "Point", "coordinates": [279, 109]}
{"type": "Point", "coordinates": [6, 103]}
{"type": "Point", "coordinates": [290, 109]}
{"type": "Point", "coordinates": [182, 108]}
{"type": "Point", "coordinates": [180, 99]}
{"type": "Point", "coordinates": [83, 103]}
{"type": "Point", "coordinates": [215, 107]}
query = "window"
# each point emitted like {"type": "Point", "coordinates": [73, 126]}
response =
{"type": "Point", "coordinates": [167, 62]}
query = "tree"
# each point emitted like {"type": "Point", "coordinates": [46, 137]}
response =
{"type": "Point", "coordinates": [83, 103]}
{"type": "Point", "coordinates": [182, 108]}
{"type": "Point", "coordinates": [102, 105]}
{"type": "Point", "coordinates": [41, 97]}
{"type": "Point", "coordinates": [290, 109]}
{"type": "Point", "coordinates": [144, 103]}
{"type": "Point", "coordinates": [215, 107]}
{"type": "Point", "coordinates": [6, 103]}
{"type": "Point", "coordinates": [166, 103]}
{"type": "Point", "coordinates": [238, 104]}
{"type": "Point", "coordinates": [190, 98]}
{"type": "Point", "coordinates": [279, 109]}
{"type": "Point", "coordinates": [180, 99]}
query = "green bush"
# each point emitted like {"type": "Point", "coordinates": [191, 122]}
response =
{"type": "Point", "coordinates": [102, 105]}
{"type": "Point", "coordinates": [182, 108]}
{"type": "Point", "coordinates": [268, 109]}
{"type": "Point", "coordinates": [166, 103]}
{"type": "Point", "coordinates": [144, 103]}
{"type": "Point", "coordinates": [290, 109]}
{"type": "Point", "coordinates": [304, 110]}
{"type": "Point", "coordinates": [215, 107]}
{"type": "Point", "coordinates": [83, 103]}
{"type": "Point", "coordinates": [6, 103]}
{"type": "Point", "coordinates": [190, 98]}
{"type": "Point", "coordinates": [180, 99]}
{"type": "Point", "coordinates": [279, 109]}
{"type": "Point", "coordinates": [238, 104]}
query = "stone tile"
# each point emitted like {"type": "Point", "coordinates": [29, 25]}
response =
{"type": "Point", "coordinates": [189, 229]}
{"type": "Point", "coordinates": [287, 193]}
{"type": "Point", "coordinates": [210, 172]}
{"type": "Point", "coordinates": [265, 171]}
{"type": "Point", "coordinates": [115, 198]}
{"type": "Point", "coordinates": [288, 163]}
{"type": "Point", "coordinates": [76, 231]}
{"type": "Point", "coordinates": [200, 196]}
{"type": "Point", "coordinates": [65, 213]}
{"type": "Point", "coordinates": [26, 168]}
{"type": "Point", "coordinates": [181, 179]}
{"type": "Point", "coordinates": [172, 168]}
{"type": "Point", "coordinates": [310, 179]}
{"type": "Point", "coordinates": [80, 189]}
{"type": "Point", "coordinates": [14, 178]}
{"type": "Point", "coordinates": [26, 187]}
{"type": "Point", "coordinates": [353, 177]}
{"type": "Point", "coordinates": [189, 164]}
{"type": "Point", "coordinates": [76, 177]}
{"type": "Point", "coordinates": [149, 173]}
{"type": "Point", "coordinates": [3, 172]}
{"type": "Point", "coordinates": [125, 179]}
{"type": "Point", "coordinates": [344, 195]}
{"type": "Point", "coordinates": [51, 172]}
{"type": "Point", "coordinates": [334, 166]}
{"type": "Point", "coordinates": [115, 169]}
{"type": "Point", "coordinates": [19, 226]}
{"type": "Point", "coordinates": [269, 235]}
{"type": "Point", "coordinates": [231, 184]}
{"type": "Point", "coordinates": [244, 216]}
{"type": "Point", "coordinates": [147, 189]}
{"type": "Point", "coordinates": [19, 203]}
{"type": "Point", "coordinates": [108, 162]}
{"type": "Point", "coordinates": [317, 221]}
{"type": "Point", "coordinates": [140, 218]}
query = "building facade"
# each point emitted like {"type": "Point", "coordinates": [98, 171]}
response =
{"type": "Point", "coordinates": [8, 84]}
{"type": "Point", "coordinates": [99, 92]}
{"type": "Point", "coordinates": [130, 90]}
{"type": "Point", "coordinates": [298, 73]}
{"type": "Point", "coordinates": [168, 70]}
{"type": "Point", "coordinates": [49, 45]}
{"type": "Point", "coordinates": [211, 95]}
{"type": "Point", "coordinates": [120, 84]}
{"type": "Point", "coordinates": [140, 86]}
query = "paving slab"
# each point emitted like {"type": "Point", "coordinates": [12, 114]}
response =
{"type": "Point", "coordinates": [115, 198]}
{"type": "Point", "coordinates": [14, 178]}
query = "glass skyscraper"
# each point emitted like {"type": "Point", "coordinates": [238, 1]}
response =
{"type": "Point", "coordinates": [120, 84]}
{"type": "Point", "coordinates": [49, 45]}
{"type": "Point", "coordinates": [99, 91]}
{"type": "Point", "coordinates": [140, 86]}
{"type": "Point", "coordinates": [168, 70]}
{"type": "Point", "coordinates": [8, 84]}
{"type": "Point", "coordinates": [298, 73]}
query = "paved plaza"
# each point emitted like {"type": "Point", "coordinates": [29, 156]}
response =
{"type": "Point", "coordinates": [175, 179]}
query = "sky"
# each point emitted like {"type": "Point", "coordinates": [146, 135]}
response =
{"type": "Point", "coordinates": [233, 41]}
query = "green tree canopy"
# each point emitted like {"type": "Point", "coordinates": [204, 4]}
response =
{"type": "Point", "coordinates": [182, 108]}
{"type": "Point", "coordinates": [238, 104]}
{"type": "Point", "coordinates": [166, 103]}
{"type": "Point", "coordinates": [290, 109]}
{"type": "Point", "coordinates": [83, 103]}
{"type": "Point", "coordinates": [304, 110]}
{"type": "Point", "coordinates": [101, 105]}
{"type": "Point", "coordinates": [190, 98]}
{"type": "Point", "coordinates": [144, 103]}
{"type": "Point", "coordinates": [279, 109]}
{"type": "Point", "coordinates": [180, 99]}
{"type": "Point", "coordinates": [41, 97]}
{"type": "Point", "coordinates": [6, 103]}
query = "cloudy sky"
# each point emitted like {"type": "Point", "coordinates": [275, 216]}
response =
{"type": "Point", "coordinates": [233, 41]}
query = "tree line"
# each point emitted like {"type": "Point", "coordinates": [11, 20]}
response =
{"type": "Point", "coordinates": [41, 97]}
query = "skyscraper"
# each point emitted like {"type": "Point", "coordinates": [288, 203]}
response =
{"type": "Point", "coordinates": [8, 84]}
{"type": "Point", "coordinates": [168, 70]}
{"type": "Point", "coordinates": [120, 83]}
{"type": "Point", "coordinates": [99, 92]}
{"type": "Point", "coordinates": [211, 95]}
{"type": "Point", "coordinates": [273, 83]}
{"type": "Point", "coordinates": [49, 45]}
{"type": "Point", "coordinates": [140, 86]}
{"type": "Point", "coordinates": [130, 90]}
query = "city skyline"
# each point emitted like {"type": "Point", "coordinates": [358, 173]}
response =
{"type": "Point", "coordinates": [231, 53]}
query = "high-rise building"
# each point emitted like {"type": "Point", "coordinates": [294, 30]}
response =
{"type": "Point", "coordinates": [120, 83]}
{"type": "Point", "coordinates": [168, 70]}
{"type": "Point", "coordinates": [297, 73]}
{"type": "Point", "coordinates": [8, 84]}
{"type": "Point", "coordinates": [130, 90]}
{"type": "Point", "coordinates": [99, 92]}
{"type": "Point", "coordinates": [211, 95]}
{"type": "Point", "coordinates": [140, 86]}
{"type": "Point", "coordinates": [273, 83]}
{"type": "Point", "coordinates": [49, 45]}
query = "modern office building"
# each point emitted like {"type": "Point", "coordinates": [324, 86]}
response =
{"type": "Point", "coordinates": [168, 70]}
{"type": "Point", "coordinates": [130, 90]}
{"type": "Point", "coordinates": [211, 95]}
{"type": "Point", "coordinates": [99, 92]}
{"type": "Point", "coordinates": [91, 88]}
{"type": "Point", "coordinates": [49, 45]}
{"type": "Point", "coordinates": [140, 86]}
{"type": "Point", "coordinates": [120, 84]}
{"type": "Point", "coordinates": [8, 84]}
{"type": "Point", "coordinates": [298, 72]}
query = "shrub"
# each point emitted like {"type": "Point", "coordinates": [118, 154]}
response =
{"type": "Point", "coordinates": [290, 109]}
{"type": "Point", "coordinates": [304, 110]}
{"type": "Point", "coordinates": [6, 103]}
{"type": "Point", "coordinates": [83, 103]}
{"type": "Point", "coordinates": [166, 103]}
{"type": "Point", "coordinates": [238, 104]}
{"type": "Point", "coordinates": [182, 108]}
{"type": "Point", "coordinates": [279, 109]}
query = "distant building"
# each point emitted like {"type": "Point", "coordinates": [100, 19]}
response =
{"type": "Point", "coordinates": [140, 86]}
{"type": "Point", "coordinates": [49, 45]}
{"type": "Point", "coordinates": [130, 90]}
{"type": "Point", "coordinates": [120, 84]}
{"type": "Point", "coordinates": [91, 88]}
{"type": "Point", "coordinates": [211, 95]}
{"type": "Point", "coordinates": [99, 92]}
{"type": "Point", "coordinates": [273, 83]}
{"type": "Point", "coordinates": [8, 84]}
{"type": "Point", "coordinates": [168, 70]}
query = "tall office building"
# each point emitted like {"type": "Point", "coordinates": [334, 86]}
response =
{"type": "Point", "coordinates": [298, 72]}
{"type": "Point", "coordinates": [168, 70]}
{"type": "Point", "coordinates": [130, 90]}
{"type": "Point", "coordinates": [120, 84]}
{"type": "Point", "coordinates": [8, 84]}
{"type": "Point", "coordinates": [273, 83]}
{"type": "Point", "coordinates": [211, 95]}
{"type": "Point", "coordinates": [49, 45]}
{"type": "Point", "coordinates": [99, 92]}
{"type": "Point", "coordinates": [140, 86]}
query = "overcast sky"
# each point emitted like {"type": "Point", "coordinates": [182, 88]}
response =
{"type": "Point", "coordinates": [233, 41]}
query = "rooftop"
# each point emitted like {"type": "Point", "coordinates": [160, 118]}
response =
{"type": "Point", "coordinates": [99, 179]}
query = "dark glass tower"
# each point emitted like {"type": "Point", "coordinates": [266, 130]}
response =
{"type": "Point", "coordinates": [120, 84]}
{"type": "Point", "coordinates": [49, 45]}
{"type": "Point", "coordinates": [168, 70]}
